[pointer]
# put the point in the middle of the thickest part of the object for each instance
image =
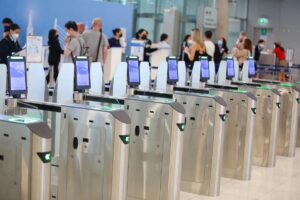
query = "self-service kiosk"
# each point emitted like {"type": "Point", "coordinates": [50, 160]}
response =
{"type": "Point", "coordinates": [25, 155]}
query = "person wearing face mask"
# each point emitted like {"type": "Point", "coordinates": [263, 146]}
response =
{"type": "Point", "coordinates": [74, 44]}
{"type": "Point", "coordinates": [258, 49]}
{"type": "Point", "coordinates": [55, 52]}
{"type": "Point", "coordinates": [187, 42]}
{"type": "Point", "coordinates": [10, 45]}
{"type": "Point", "coordinates": [142, 35]}
{"type": "Point", "coordinates": [115, 41]}
{"type": "Point", "coordinates": [221, 50]}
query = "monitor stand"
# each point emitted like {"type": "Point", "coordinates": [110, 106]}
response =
{"type": "Point", "coordinates": [78, 96]}
{"type": "Point", "coordinates": [202, 85]}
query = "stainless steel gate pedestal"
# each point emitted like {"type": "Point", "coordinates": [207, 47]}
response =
{"type": "Point", "coordinates": [25, 155]}
{"type": "Point", "coordinates": [93, 158]}
{"type": "Point", "coordinates": [239, 132]}
{"type": "Point", "coordinates": [203, 142]}
{"type": "Point", "coordinates": [155, 151]}
{"type": "Point", "coordinates": [266, 129]}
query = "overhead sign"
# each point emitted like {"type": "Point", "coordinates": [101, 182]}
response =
{"type": "Point", "coordinates": [210, 18]}
{"type": "Point", "coordinates": [263, 21]}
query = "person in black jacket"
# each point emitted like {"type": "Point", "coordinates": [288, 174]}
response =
{"type": "Point", "coordinates": [115, 41]}
{"type": "Point", "coordinates": [10, 45]}
{"type": "Point", "coordinates": [221, 50]}
{"type": "Point", "coordinates": [55, 52]}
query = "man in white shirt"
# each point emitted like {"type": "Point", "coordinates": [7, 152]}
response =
{"type": "Point", "coordinates": [209, 45]}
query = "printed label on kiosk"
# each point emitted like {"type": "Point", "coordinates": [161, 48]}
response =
{"type": "Point", "coordinates": [82, 73]}
{"type": "Point", "coordinates": [133, 71]}
{"type": "Point", "coordinates": [17, 78]}
{"type": "Point", "coordinates": [172, 70]}
{"type": "Point", "coordinates": [204, 71]}
{"type": "Point", "coordinates": [230, 73]}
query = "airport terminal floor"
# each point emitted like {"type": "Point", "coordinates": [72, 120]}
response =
{"type": "Point", "coordinates": [281, 182]}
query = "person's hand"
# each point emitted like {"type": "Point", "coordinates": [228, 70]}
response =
{"type": "Point", "coordinates": [222, 50]}
{"type": "Point", "coordinates": [67, 40]}
{"type": "Point", "coordinates": [186, 50]}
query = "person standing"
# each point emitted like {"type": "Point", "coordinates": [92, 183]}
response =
{"type": "Point", "coordinates": [6, 22]}
{"type": "Point", "coordinates": [9, 45]}
{"type": "Point", "coordinates": [55, 52]}
{"type": "Point", "coordinates": [221, 50]}
{"type": "Point", "coordinates": [74, 44]}
{"type": "Point", "coordinates": [197, 49]}
{"type": "Point", "coordinates": [281, 60]}
{"type": "Point", "coordinates": [209, 45]}
{"type": "Point", "coordinates": [187, 42]}
{"type": "Point", "coordinates": [258, 49]}
{"type": "Point", "coordinates": [96, 42]}
{"type": "Point", "coordinates": [115, 41]}
{"type": "Point", "coordinates": [244, 53]}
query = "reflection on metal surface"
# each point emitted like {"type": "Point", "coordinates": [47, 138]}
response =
{"type": "Point", "coordinates": [203, 143]}
{"type": "Point", "coordinates": [23, 173]}
{"type": "Point", "coordinates": [239, 132]}
{"type": "Point", "coordinates": [155, 150]}
{"type": "Point", "coordinates": [93, 154]}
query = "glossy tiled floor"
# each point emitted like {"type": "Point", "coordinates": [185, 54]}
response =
{"type": "Point", "coordinates": [279, 183]}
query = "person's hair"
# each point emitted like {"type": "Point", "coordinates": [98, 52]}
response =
{"type": "Point", "coordinates": [186, 37]}
{"type": "Point", "coordinates": [224, 42]}
{"type": "Point", "coordinates": [97, 21]}
{"type": "Point", "coordinates": [163, 37]}
{"type": "Point", "coordinates": [248, 45]}
{"type": "Point", "coordinates": [260, 41]}
{"type": "Point", "coordinates": [71, 25]}
{"type": "Point", "coordinates": [14, 27]}
{"type": "Point", "coordinates": [7, 21]}
{"type": "Point", "coordinates": [52, 34]}
{"type": "Point", "coordinates": [208, 34]}
{"type": "Point", "coordinates": [139, 32]}
{"type": "Point", "coordinates": [244, 33]}
{"type": "Point", "coordinates": [116, 30]}
{"type": "Point", "coordinates": [278, 45]}
{"type": "Point", "coordinates": [196, 36]}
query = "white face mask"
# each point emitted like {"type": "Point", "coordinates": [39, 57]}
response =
{"type": "Point", "coordinates": [15, 36]}
{"type": "Point", "coordinates": [220, 43]}
{"type": "Point", "coordinates": [190, 43]}
{"type": "Point", "coordinates": [262, 46]}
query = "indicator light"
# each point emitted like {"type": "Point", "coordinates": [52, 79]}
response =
{"type": "Point", "coordinates": [125, 138]}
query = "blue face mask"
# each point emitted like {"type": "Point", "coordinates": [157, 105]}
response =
{"type": "Point", "coordinates": [220, 43]}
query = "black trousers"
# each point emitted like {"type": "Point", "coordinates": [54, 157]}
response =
{"type": "Point", "coordinates": [55, 75]}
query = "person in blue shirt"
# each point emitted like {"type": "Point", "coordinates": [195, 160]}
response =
{"type": "Point", "coordinates": [115, 41]}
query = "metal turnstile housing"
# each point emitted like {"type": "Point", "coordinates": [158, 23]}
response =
{"type": "Point", "coordinates": [203, 142]}
{"type": "Point", "coordinates": [288, 117]}
{"type": "Point", "coordinates": [25, 155]}
{"type": "Point", "coordinates": [155, 150]}
{"type": "Point", "coordinates": [266, 123]}
{"type": "Point", "coordinates": [93, 158]}
{"type": "Point", "coordinates": [239, 132]}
